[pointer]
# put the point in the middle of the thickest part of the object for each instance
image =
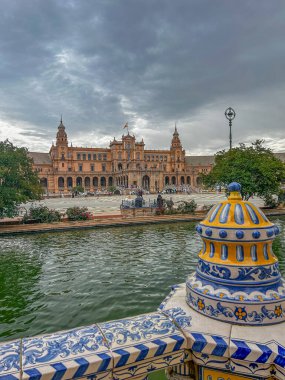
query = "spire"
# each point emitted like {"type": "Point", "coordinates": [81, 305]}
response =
{"type": "Point", "coordinates": [61, 136]}
{"type": "Point", "coordinates": [176, 143]}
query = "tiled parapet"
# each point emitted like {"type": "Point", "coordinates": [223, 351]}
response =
{"type": "Point", "coordinates": [144, 344]}
{"type": "Point", "coordinates": [75, 353]}
{"type": "Point", "coordinates": [121, 349]}
{"type": "Point", "coordinates": [10, 360]}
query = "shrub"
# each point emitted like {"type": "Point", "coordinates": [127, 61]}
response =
{"type": "Point", "coordinates": [42, 214]}
{"type": "Point", "coordinates": [187, 207]}
{"type": "Point", "coordinates": [207, 207]}
{"type": "Point", "coordinates": [271, 202]}
{"type": "Point", "coordinates": [78, 213]}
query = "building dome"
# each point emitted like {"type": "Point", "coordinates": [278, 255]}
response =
{"type": "Point", "coordinates": [237, 278]}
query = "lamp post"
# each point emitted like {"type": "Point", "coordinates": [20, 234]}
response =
{"type": "Point", "coordinates": [230, 115]}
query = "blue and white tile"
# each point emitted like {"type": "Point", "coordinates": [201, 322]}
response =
{"type": "Point", "coordinates": [250, 368]}
{"type": "Point", "coordinates": [145, 367]}
{"type": "Point", "coordinates": [138, 342]}
{"type": "Point", "coordinates": [211, 361]}
{"type": "Point", "coordinates": [278, 372]}
{"type": "Point", "coordinates": [264, 344]}
{"type": "Point", "coordinates": [69, 354]}
{"type": "Point", "coordinates": [198, 328]}
{"type": "Point", "coordinates": [178, 290]}
{"type": "Point", "coordinates": [10, 360]}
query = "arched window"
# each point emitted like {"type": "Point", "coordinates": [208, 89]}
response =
{"type": "Point", "coordinates": [87, 182]}
{"type": "Point", "coordinates": [78, 181]}
{"type": "Point", "coordinates": [95, 181]}
{"type": "Point", "coordinates": [103, 182]}
{"type": "Point", "coordinates": [69, 182]}
{"type": "Point", "coordinates": [44, 182]}
{"type": "Point", "coordinates": [60, 182]}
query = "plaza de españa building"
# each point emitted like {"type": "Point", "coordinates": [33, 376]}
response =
{"type": "Point", "coordinates": [126, 163]}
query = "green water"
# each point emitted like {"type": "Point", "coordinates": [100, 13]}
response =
{"type": "Point", "coordinates": [56, 281]}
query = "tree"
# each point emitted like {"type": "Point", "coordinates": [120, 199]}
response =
{"type": "Point", "coordinates": [18, 182]}
{"type": "Point", "coordinates": [255, 168]}
{"type": "Point", "coordinates": [78, 189]}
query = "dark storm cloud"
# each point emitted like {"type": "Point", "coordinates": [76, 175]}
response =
{"type": "Point", "coordinates": [149, 62]}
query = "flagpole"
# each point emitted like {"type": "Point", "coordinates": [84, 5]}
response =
{"type": "Point", "coordinates": [126, 126]}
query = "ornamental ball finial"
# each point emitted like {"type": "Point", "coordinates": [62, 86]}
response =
{"type": "Point", "coordinates": [234, 186]}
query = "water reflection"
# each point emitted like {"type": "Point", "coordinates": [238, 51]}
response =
{"type": "Point", "coordinates": [57, 281]}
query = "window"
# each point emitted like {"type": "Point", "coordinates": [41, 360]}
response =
{"type": "Point", "coordinates": [161, 158]}
{"type": "Point", "coordinates": [92, 168]}
{"type": "Point", "coordinates": [80, 167]}
{"type": "Point", "coordinates": [165, 158]}
{"type": "Point", "coordinates": [62, 156]}
{"type": "Point", "coordinates": [78, 156]}
{"type": "Point", "coordinates": [99, 156]}
{"type": "Point", "coordinates": [62, 165]}
{"type": "Point", "coordinates": [94, 156]}
{"type": "Point", "coordinates": [152, 158]}
{"type": "Point", "coordinates": [138, 156]}
{"type": "Point", "coordinates": [105, 157]}
{"type": "Point", "coordinates": [89, 156]}
{"type": "Point", "coordinates": [103, 167]}
{"type": "Point", "coordinates": [157, 158]}
{"type": "Point", "coordinates": [69, 169]}
{"type": "Point", "coordinates": [84, 156]}
{"type": "Point", "coordinates": [119, 155]}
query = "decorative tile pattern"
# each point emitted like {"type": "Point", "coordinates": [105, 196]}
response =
{"type": "Point", "coordinates": [239, 309]}
{"type": "Point", "coordinates": [70, 354]}
{"type": "Point", "coordinates": [179, 316]}
{"type": "Point", "coordinates": [144, 327]}
{"type": "Point", "coordinates": [198, 328]}
{"type": "Point", "coordinates": [147, 366]}
{"type": "Point", "coordinates": [250, 368]}
{"type": "Point", "coordinates": [143, 344]}
{"type": "Point", "coordinates": [211, 361]}
{"type": "Point", "coordinates": [239, 274]}
{"type": "Point", "coordinates": [10, 360]}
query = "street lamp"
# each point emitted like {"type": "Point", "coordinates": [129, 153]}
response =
{"type": "Point", "coordinates": [230, 115]}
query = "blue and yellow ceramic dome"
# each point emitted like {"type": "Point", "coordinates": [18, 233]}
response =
{"type": "Point", "coordinates": [237, 278]}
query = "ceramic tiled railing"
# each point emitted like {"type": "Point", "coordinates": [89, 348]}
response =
{"type": "Point", "coordinates": [122, 349]}
{"type": "Point", "coordinates": [131, 348]}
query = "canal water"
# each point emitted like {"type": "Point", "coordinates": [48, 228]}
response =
{"type": "Point", "coordinates": [57, 281]}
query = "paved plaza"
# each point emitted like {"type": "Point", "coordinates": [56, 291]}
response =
{"type": "Point", "coordinates": [111, 204]}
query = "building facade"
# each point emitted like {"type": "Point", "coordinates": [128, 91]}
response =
{"type": "Point", "coordinates": [126, 163]}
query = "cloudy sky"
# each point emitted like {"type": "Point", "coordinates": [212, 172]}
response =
{"type": "Point", "coordinates": [101, 63]}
